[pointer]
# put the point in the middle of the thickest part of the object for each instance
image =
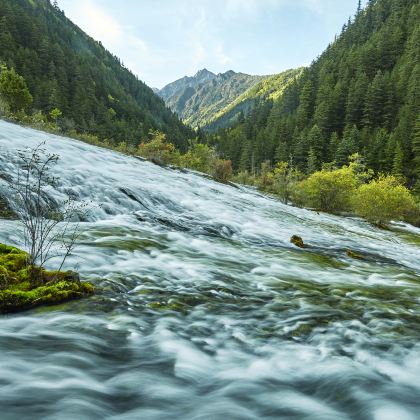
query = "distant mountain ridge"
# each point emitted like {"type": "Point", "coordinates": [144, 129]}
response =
{"type": "Point", "coordinates": [212, 101]}
{"type": "Point", "coordinates": [199, 98]}
{"type": "Point", "coordinates": [175, 88]}
{"type": "Point", "coordinates": [270, 88]}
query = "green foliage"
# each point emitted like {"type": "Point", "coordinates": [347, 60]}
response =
{"type": "Point", "coordinates": [200, 157]}
{"type": "Point", "coordinates": [328, 190]}
{"type": "Point", "coordinates": [244, 178]}
{"type": "Point", "coordinates": [382, 200]}
{"type": "Point", "coordinates": [55, 114]}
{"type": "Point", "coordinates": [14, 91]}
{"type": "Point", "coordinates": [285, 180]}
{"type": "Point", "coordinates": [158, 150]}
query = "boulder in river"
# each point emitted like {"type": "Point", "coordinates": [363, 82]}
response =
{"type": "Point", "coordinates": [297, 241]}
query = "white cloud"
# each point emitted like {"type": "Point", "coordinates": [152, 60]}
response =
{"type": "Point", "coordinates": [161, 40]}
{"type": "Point", "coordinates": [98, 24]}
{"type": "Point", "coordinates": [120, 40]}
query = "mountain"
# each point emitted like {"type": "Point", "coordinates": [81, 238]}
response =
{"type": "Point", "coordinates": [65, 68]}
{"type": "Point", "coordinates": [198, 99]}
{"type": "Point", "coordinates": [270, 88]}
{"type": "Point", "coordinates": [175, 89]}
{"type": "Point", "coordinates": [361, 95]}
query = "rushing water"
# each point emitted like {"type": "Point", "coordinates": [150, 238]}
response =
{"type": "Point", "coordinates": [204, 310]}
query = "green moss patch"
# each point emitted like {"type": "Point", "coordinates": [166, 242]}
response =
{"type": "Point", "coordinates": [18, 293]}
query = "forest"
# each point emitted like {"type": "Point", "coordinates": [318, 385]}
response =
{"type": "Point", "coordinates": [67, 71]}
{"type": "Point", "coordinates": [362, 95]}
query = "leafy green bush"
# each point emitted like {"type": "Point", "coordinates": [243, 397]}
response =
{"type": "Point", "coordinates": [158, 150]}
{"type": "Point", "coordinates": [200, 157]}
{"type": "Point", "coordinates": [13, 90]}
{"type": "Point", "coordinates": [328, 190]}
{"type": "Point", "coordinates": [244, 177]}
{"type": "Point", "coordinates": [382, 200]}
{"type": "Point", "coordinates": [285, 179]}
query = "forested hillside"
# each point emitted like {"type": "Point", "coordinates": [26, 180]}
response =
{"type": "Point", "coordinates": [199, 99]}
{"type": "Point", "coordinates": [361, 95]}
{"type": "Point", "coordinates": [270, 88]}
{"type": "Point", "coordinates": [67, 70]}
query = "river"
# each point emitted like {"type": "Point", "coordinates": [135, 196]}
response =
{"type": "Point", "coordinates": [204, 309]}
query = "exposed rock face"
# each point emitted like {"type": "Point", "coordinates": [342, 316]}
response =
{"type": "Point", "coordinates": [198, 99]}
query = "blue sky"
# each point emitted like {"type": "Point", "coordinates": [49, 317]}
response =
{"type": "Point", "coordinates": [163, 40]}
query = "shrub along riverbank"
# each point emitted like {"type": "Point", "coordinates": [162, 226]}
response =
{"type": "Point", "coordinates": [352, 188]}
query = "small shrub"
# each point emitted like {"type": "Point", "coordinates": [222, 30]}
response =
{"type": "Point", "coordinates": [200, 157]}
{"type": "Point", "coordinates": [245, 178]}
{"type": "Point", "coordinates": [266, 177]}
{"type": "Point", "coordinates": [157, 149]}
{"type": "Point", "coordinates": [222, 170]}
{"type": "Point", "coordinates": [382, 200]}
{"type": "Point", "coordinates": [329, 191]}
{"type": "Point", "coordinates": [285, 179]}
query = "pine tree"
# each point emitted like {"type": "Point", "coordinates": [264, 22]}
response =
{"type": "Point", "coordinates": [313, 163]}
{"type": "Point", "coordinates": [359, 8]}
{"type": "Point", "coordinates": [305, 104]}
{"type": "Point", "coordinates": [375, 99]}
{"type": "Point", "coordinates": [377, 150]}
{"type": "Point", "coordinates": [317, 143]}
{"type": "Point", "coordinates": [348, 145]}
{"type": "Point", "coordinates": [398, 163]}
{"type": "Point", "coordinates": [245, 163]}
{"type": "Point", "coordinates": [282, 153]}
{"type": "Point", "coordinates": [416, 154]}
{"type": "Point", "coordinates": [333, 146]}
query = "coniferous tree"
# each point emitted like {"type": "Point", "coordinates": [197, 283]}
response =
{"type": "Point", "coordinates": [398, 163]}
{"type": "Point", "coordinates": [313, 162]}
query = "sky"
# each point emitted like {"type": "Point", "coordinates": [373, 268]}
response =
{"type": "Point", "coordinates": [163, 40]}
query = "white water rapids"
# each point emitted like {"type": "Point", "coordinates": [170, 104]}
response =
{"type": "Point", "coordinates": [204, 309]}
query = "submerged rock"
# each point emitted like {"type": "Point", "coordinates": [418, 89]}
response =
{"type": "Point", "coordinates": [297, 241]}
{"type": "Point", "coordinates": [354, 255]}
{"type": "Point", "coordinates": [17, 292]}
{"type": "Point", "coordinates": [5, 211]}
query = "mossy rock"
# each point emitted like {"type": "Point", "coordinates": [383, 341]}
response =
{"type": "Point", "coordinates": [17, 292]}
{"type": "Point", "coordinates": [63, 291]}
{"type": "Point", "coordinates": [297, 241]}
